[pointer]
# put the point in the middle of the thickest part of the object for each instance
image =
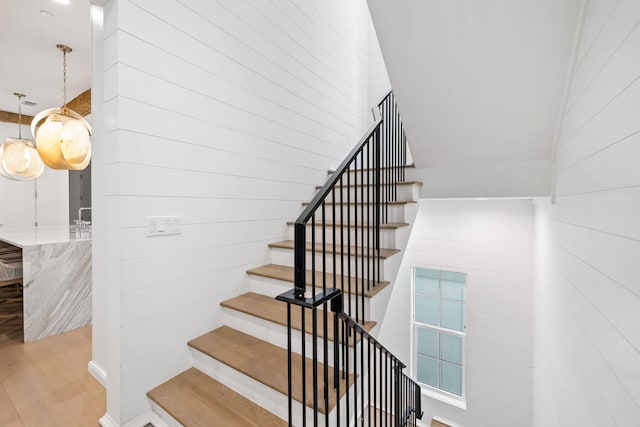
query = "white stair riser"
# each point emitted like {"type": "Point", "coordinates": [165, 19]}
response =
{"type": "Point", "coordinates": [285, 257]}
{"type": "Point", "coordinates": [408, 193]}
{"type": "Point", "coordinates": [163, 416]}
{"type": "Point", "coordinates": [349, 235]}
{"type": "Point", "coordinates": [274, 287]}
{"type": "Point", "coordinates": [365, 213]}
{"type": "Point", "coordinates": [274, 333]}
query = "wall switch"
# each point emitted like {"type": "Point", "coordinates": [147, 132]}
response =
{"type": "Point", "coordinates": [164, 225]}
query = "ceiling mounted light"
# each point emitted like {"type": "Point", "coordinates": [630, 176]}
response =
{"type": "Point", "coordinates": [19, 159]}
{"type": "Point", "coordinates": [63, 137]}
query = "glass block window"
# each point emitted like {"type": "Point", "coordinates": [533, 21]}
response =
{"type": "Point", "coordinates": [440, 329]}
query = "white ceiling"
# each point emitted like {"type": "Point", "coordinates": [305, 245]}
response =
{"type": "Point", "coordinates": [31, 63]}
{"type": "Point", "coordinates": [477, 82]}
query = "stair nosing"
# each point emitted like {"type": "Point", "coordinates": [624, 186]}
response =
{"type": "Point", "coordinates": [368, 325]}
{"type": "Point", "coordinates": [383, 226]}
{"type": "Point", "coordinates": [369, 293]}
{"type": "Point", "coordinates": [409, 166]}
{"type": "Point", "coordinates": [369, 185]}
{"type": "Point", "coordinates": [393, 203]}
{"type": "Point", "coordinates": [360, 253]}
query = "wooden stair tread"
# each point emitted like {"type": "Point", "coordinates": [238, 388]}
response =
{"type": "Point", "coordinates": [196, 400]}
{"type": "Point", "coordinates": [369, 185]}
{"type": "Point", "coordinates": [266, 363]}
{"type": "Point", "coordinates": [392, 202]}
{"type": "Point", "coordinates": [355, 250]}
{"type": "Point", "coordinates": [409, 166]}
{"type": "Point", "coordinates": [272, 310]}
{"type": "Point", "coordinates": [386, 225]}
{"type": "Point", "coordinates": [435, 423]}
{"type": "Point", "coordinates": [284, 273]}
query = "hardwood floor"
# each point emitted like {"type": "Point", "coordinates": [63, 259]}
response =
{"type": "Point", "coordinates": [46, 383]}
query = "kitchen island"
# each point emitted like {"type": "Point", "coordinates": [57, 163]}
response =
{"type": "Point", "coordinates": [56, 277]}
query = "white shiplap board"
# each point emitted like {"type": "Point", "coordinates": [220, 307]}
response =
{"type": "Point", "coordinates": [587, 340]}
{"type": "Point", "coordinates": [227, 113]}
{"type": "Point", "coordinates": [493, 242]}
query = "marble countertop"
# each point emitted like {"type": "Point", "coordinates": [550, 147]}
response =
{"type": "Point", "coordinates": [33, 236]}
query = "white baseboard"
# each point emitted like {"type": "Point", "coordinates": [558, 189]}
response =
{"type": "Point", "coordinates": [98, 373]}
{"type": "Point", "coordinates": [139, 421]}
{"type": "Point", "coordinates": [107, 421]}
{"type": "Point", "coordinates": [447, 422]}
{"type": "Point", "coordinates": [160, 418]}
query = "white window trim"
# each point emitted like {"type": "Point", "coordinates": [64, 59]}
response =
{"type": "Point", "coordinates": [427, 390]}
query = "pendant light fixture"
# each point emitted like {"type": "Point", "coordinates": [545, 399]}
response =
{"type": "Point", "coordinates": [63, 137]}
{"type": "Point", "coordinates": [19, 159]}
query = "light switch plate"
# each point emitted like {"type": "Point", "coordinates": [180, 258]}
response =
{"type": "Point", "coordinates": [164, 225]}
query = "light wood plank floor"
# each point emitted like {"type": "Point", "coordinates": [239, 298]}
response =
{"type": "Point", "coordinates": [46, 383]}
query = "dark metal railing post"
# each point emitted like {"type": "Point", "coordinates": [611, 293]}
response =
{"type": "Point", "coordinates": [300, 269]}
{"type": "Point", "coordinates": [289, 367]}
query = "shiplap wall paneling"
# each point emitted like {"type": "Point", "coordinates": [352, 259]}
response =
{"type": "Point", "coordinates": [587, 346]}
{"type": "Point", "coordinates": [227, 113]}
{"type": "Point", "coordinates": [493, 242]}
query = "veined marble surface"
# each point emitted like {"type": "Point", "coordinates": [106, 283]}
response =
{"type": "Point", "coordinates": [57, 288]}
{"type": "Point", "coordinates": [56, 274]}
{"type": "Point", "coordinates": [29, 236]}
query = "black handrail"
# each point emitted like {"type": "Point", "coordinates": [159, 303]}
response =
{"type": "Point", "coordinates": [361, 378]}
{"type": "Point", "coordinates": [381, 153]}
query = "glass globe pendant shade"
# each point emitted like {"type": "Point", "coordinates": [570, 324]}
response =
{"type": "Point", "coordinates": [63, 138]}
{"type": "Point", "coordinates": [19, 160]}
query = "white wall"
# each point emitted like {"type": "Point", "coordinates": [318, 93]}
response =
{"type": "Point", "coordinates": [508, 179]}
{"type": "Point", "coordinates": [379, 83]}
{"type": "Point", "coordinates": [227, 113]}
{"type": "Point", "coordinates": [491, 241]}
{"type": "Point", "coordinates": [17, 198]}
{"type": "Point", "coordinates": [479, 86]}
{"type": "Point", "coordinates": [587, 338]}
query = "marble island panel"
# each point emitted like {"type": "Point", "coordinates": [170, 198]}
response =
{"type": "Point", "coordinates": [56, 279]}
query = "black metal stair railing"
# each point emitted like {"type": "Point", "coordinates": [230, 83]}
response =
{"type": "Point", "coordinates": [367, 381]}
{"type": "Point", "coordinates": [346, 265]}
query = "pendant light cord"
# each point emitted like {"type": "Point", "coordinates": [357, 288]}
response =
{"type": "Point", "coordinates": [20, 96]}
{"type": "Point", "coordinates": [65, 49]}
{"type": "Point", "coordinates": [64, 78]}
{"type": "Point", "coordinates": [19, 117]}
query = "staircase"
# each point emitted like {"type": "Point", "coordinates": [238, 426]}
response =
{"type": "Point", "coordinates": [253, 372]}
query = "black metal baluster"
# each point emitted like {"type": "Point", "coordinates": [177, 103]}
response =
{"type": "Point", "coordinates": [313, 256]}
{"type": "Point", "coordinates": [396, 394]}
{"type": "Point", "coordinates": [347, 385]}
{"type": "Point", "coordinates": [342, 228]}
{"type": "Point", "coordinates": [369, 379]}
{"type": "Point", "coordinates": [385, 388]}
{"type": "Point", "coordinates": [304, 365]}
{"type": "Point", "coordinates": [371, 206]}
{"type": "Point", "coordinates": [355, 243]}
{"type": "Point", "coordinates": [348, 209]}
{"type": "Point", "coordinates": [336, 363]}
{"type": "Point", "coordinates": [388, 159]}
{"type": "Point", "coordinates": [362, 244]}
{"type": "Point", "coordinates": [374, 403]}
{"type": "Point", "coordinates": [355, 377]}
{"type": "Point", "coordinates": [362, 378]}
{"type": "Point", "coordinates": [377, 187]}
{"type": "Point", "coordinates": [289, 367]}
{"type": "Point", "coordinates": [314, 321]}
